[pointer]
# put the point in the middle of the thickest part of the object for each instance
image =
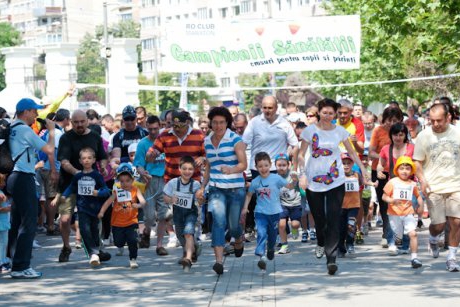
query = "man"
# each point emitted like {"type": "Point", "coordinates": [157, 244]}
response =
{"type": "Point", "coordinates": [294, 115]}
{"type": "Point", "coordinates": [21, 185]}
{"type": "Point", "coordinates": [353, 125]}
{"type": "Point", "coordinates": [233, 110]}
{"type": "Point", "coordinates": [368, 120]}
{"type": "Point", "coordinates": [152, 174]}
{"type": "Point", "coordinates": [141, 114]}
{"type": "Point", "coordinates": [271, 133]}
{"type": "Point", "coordinates": [70, 145]}
{"type": "Point", "coordinates": [107, 122]}
{"type": "Point", "coordinates": [436, 155]}
{"type": "Point", "coordinates": [357, 111]}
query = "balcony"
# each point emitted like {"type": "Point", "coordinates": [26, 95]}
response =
{"type": "Point", "coordinates": [47, 11]}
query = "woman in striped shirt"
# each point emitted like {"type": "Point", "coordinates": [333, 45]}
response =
{"type": "Point", "coordinates": [225, 153]}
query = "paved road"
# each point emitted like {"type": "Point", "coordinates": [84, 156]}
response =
{"type": "Point", "coordinates": [297, 279]}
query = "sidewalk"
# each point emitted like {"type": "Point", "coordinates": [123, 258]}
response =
{"type": "Point", "coordinates": [297, 279]}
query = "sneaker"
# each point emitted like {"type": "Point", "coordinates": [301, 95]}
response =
{"type": "Point", "coordinates": [379, 223]}
{"type": "Point", "coordinates": [313, 235]}
{"type": "Point", "coordinates": [278, 246]}
{"type": "Point", "coordinates": [26, 274]}
{"type": "Point", "coordinates": [262, 264]}
{"type": "Point", "coordinates": [393, 250]}
{"type": "Point", "coordinates": [94, 260]}
{"type": "Point", "coordinates": [133, 264]}
{"type": "Point", "coordinates": [415, 263]}
{"type": "Point", "coordinates": [331, 268]}
{"type": "Point", "coordinates": [452, 265]}
{"type": "Point", "coordinates": [295, 234]}
{"type": "Point", "coordinates": [350, 249]}
{"type": "Point", "coordinates": [366, 229]}
{"type": "Point", "coordinates": [198, 248]}
{"type": "Point", "coordinates": [5, 268]}
{"type": "Point", "coordinates": [65, 253]}
{"type": "Point", "coordinates": [304, 237]}
{"type": "Point", "coordinates": [319, 251]}
{"type": "Point", "coordinates": [229, 249]}
{"type": "Point", "coordinates": [78, 244]}
{"type": "Point", "coordinates": [104, 256]}
{"type": "Point", "coordinates": [359, 238]}
{"type": "Point", "coordinates": [433, 249]}
{"type": "Point", "coordinates": [284, 249]}
{"type": "Point", "coordinates": [384, 243]}
{"type": "Point", "coordinates": [403, 251]}
{"type": "Point", "coordinates": [173, 242]}
{"type": "Point", "coordinates": [270, 254]}
{"type": "Point", "coordinates": [186, 265]}
{"type": "Point", "coordinates": [120, 251]}
{"type": "Point", "coordinates": [218, 268]}
{"type": "Point", "coordinates": [420, 224]}
{"type": "Point", "coordinates": [41, 229]}
{"type": "Point", "coordinates": [35, 245]}
{"type": "Point", "coordinates": [106, 242]}
{"type": "Point", "coordinates": [161, 251]}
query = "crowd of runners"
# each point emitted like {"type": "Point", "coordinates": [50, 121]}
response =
{"type": "Point", "coordinates": [325, 175]}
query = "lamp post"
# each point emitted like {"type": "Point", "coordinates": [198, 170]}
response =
{"type": "Point", "coordinates": [106, 60]}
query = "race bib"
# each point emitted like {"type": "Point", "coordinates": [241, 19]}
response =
{"type": "Point", "coordinates": [351, 185]}
{"type": "Point", "coordinates": [123, 195]}
{"type": "Point", "coordinates": [403, 192]}
{"type": "Point", "coordinates": [86, 187]}
{"type": "Point", "coordinates": [184, 200]}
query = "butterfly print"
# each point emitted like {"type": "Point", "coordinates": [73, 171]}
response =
{"type": "Point", "coordinates": [329, 177]}
{"type": "Point", "coordinates": [264, 193]}
{"type": "Point", "coordinates": [318, 151]}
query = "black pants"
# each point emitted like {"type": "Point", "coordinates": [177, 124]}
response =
{"type": "Point", "coordinates": [387, 233]}
{"type": "Point", "coordinates": [126, 235]}
{"type": "Point", "coordinates": [89, 230]}
{"type": "Point", "coordinates": [24, 217]}
{"type": "Point", "coordinates": [106, 219]}
{"type": "Point", "coordinates": [326, 208]}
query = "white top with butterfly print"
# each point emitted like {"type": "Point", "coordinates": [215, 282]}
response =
{"type": "Point", "coordinates": [324, 169]}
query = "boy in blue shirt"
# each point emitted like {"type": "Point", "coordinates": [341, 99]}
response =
{"type": "Point", "coordinates": [267, 187]}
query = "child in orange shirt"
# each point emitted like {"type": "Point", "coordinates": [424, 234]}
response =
{"type": "Point", "coordinates": [127, 199]}
{"type": "Point", "coordinates": [398, 194]}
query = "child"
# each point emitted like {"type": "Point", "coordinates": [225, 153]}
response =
{"type": "Point", "coordinates": [180, 192]}
{"type": "Point", "coordinates": [398, 194]}
{"type": "Point", "coordinates": [132, 153]}
{"type": "Point", "coordinates": [268, 208]}
{"type": "Point", "coordinates": [126, 199]}
{"type": "Point", "coordinates": [350, 207]}
{"type": "Point", "coordinates": [290, 204]}
{"type": "Point", "coordinates": [5, 208]}
{"type": "Point", "coordinates": [89, 187]}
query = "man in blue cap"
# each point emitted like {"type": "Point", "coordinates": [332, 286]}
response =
{"type": "Point", "coordinates": [21, 185]}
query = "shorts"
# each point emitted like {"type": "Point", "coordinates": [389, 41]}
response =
{"type": "Point", "coordinates": [366, 203]}
{"type": "Point", "coordinates": [402, 224]}
{"type": "Point", "coordinates": [155, 207]}
{"type": "Point", "coordinates": [40, 185]}
{"type": "Point", "coordinates": [50, 189]}
{"type": "Point", "coordinates": [442, 205]}
{"type": "Point", "coordinates": [293, 213]}
{"type": "Point", "coordinates": [67, 207]}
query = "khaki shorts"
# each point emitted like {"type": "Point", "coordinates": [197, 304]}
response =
{"type": "Point", "coordinates": [67, 207]}
{"type": "Point", "coordinates": [50, 189]}
{"type": "Point", "coordinates": [441, 206]}
{"type": "Point", "coordinates": [155, 207]}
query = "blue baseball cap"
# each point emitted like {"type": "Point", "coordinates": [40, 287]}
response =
{"type": "Point", "coordinates": [27, 104]}
{"type": "Point", "coordinates": [125, 168]}
{"type": "Point", "coordinates": [281, 156]}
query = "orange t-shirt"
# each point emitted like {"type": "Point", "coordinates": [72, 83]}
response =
{"type": "Point", "coordinates": [352, 198]}
{"type": "Point", "coordinates": [123, 213]}
{"type": "Point", "coordinates": [380, 137]}
{"type": "Point", "coordinates": [402, 191]}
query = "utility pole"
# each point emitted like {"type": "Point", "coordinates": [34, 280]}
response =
{"type": "Point", "coordinates": [156, 74]}
{"type": "Point", "coordinates": [106, 60]}
{"type": "Point", "coordinates": [65, 25]}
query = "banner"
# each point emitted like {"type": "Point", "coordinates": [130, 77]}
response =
{"type": "Point", "coordinates": [314, 43]}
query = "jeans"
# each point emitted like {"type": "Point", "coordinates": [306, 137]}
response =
{"type": "Point", "coordinates": [89, 231]}
{"type": "Point", "coordinates": [184, 222]}
{"type": "Point", "coordinates": [126, 235]}
{"type": "Point", "coordinates": [267, 230]}
{"type": "Point", "coordinates": [326, 208]}
{"type": "Point", "coordinates": [225, 205]}
{"type": "Point", "coordinates": [387, 232]}
{"type": "Point", "coordinates": [3, 246]}
{"type": "Point", "coordinates": [347, 228]}
{"type": "Point", "coordinates": [24, 217]}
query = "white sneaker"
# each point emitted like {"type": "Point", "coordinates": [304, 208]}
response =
{"type": "Point", "coordinates": [393, 250]}
{"type": "Point", "coordinates": [94, 260]}
{"type": "Point", "coordinates": [120, 251]}
{"type": "Point", "coordinates": [106, 242]}
{"type": "Point", "coordinates": [26, 274]}
{"type": "Point", "coordinates": [319, 251]}
{"type": "Point", "coordinates": [36, 245]}
{"type": "Point", "coordinates": [172, 242]}
{"type": "Point", "coordinates": [133, 264]}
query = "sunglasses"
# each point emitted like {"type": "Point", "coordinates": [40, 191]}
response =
{"type": "Point", "coordinates": [310, 116]}
{"type": "Point", "coordinates": [178, 126]}
{"type": "Point", "coordinates": [129, 119]}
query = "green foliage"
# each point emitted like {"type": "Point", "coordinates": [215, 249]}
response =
{"type": "Point", "coordinates": [9, 37]}
{"type": "Point", "coordinates": [400, 39]}
{"type": "Point", "coordinates": [254, 97]}
{"type": "Point", "coordinates": [147, 98]}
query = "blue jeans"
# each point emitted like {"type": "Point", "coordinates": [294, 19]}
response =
{"type": "Point", "coordinates": [347, 228]}
{"type": "Point", "coordinates": [225, 206]}
{"type": "Point", "coordinates": [184, 222]}
{"type": "Point", "coordinates": [89, 230]}
{"type": "Point", "coordinates": [267, 230]}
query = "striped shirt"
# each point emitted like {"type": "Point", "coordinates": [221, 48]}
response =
{"type": "Point", "coordinates": [223, 155]}
{"type": "Point", "coordinates": [174, 149]}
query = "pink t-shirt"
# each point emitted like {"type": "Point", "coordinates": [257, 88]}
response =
{"type": "Point", "coordinates": [385, 154]}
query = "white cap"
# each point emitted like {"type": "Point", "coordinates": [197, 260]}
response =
{"type": "Point", "coordinates": [132, 147]}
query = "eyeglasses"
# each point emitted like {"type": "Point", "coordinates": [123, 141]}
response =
{"type": "Point", "coordinates": [129, 119]}
{"type": "Point", "coordinates": [179, 126]}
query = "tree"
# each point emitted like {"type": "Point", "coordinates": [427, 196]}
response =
{"type": "Point", "coordinates": [400, 39]}
{"type": "Point", "coordinates": [9, 37]}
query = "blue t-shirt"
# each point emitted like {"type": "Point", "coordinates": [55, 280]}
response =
{"type": "Point", "coordinates": [83, 185]}
{"type": "Point", "coordinates": [156, 168]}
{"type": "Point", "coordinates": [268, 193]}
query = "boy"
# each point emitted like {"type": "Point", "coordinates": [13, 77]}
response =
{"type": "Point", "coordinates": [368, 196]}
{"type": "Point", "coordinates": [268, 208]}
{"type": "Point", "coordinates": [180, 192]}
{"type": "Point", "coordinates": [398, 194]}
{"type": "Point", "coordinates": [290, 204]}
{"type": "Point", "coordinates": [90, 188]}
{"type": "Point", "coordinates": [126, 199]}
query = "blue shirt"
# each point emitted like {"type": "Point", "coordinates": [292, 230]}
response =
{"type": "Point", "coordinates": [4, 217]}
{"type": "Point", "coordinates": [83, 184]}
{"type": "Point", "coordinates": [23, 140]}
{"type": "Point", "coordinates": [268, 193]}
{"type": "Point", "coordinates": [156, 168]}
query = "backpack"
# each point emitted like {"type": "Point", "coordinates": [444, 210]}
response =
{"type": "Point", "coordinates": [142, 132]}
{"type": "Point", "coordinates": [7, 162]}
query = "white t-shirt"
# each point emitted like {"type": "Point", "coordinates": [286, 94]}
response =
{"type": "Point", "coordinates": [271, 138]}
{"type": "Point", "coordinates": [440, 157]}
{"type": "Point", "coordinates": [324, 168]}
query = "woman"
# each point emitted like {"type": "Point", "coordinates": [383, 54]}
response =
{"type": "Point", "coordinates": [203, 124]}
{"type": "Point", "coordinates": [312, 115]}
{"type": "Point", "coordinates": [226, 162]}
{"type": "Point", "coordinates": [380, 137]}
{"type": "Point", "coordinates": [324, 179]}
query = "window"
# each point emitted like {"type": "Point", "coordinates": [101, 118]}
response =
{"type": "Point", "coordinates": [202, 13]}
{"type": "Point", "coordinates": [210, 13]}
{"type": "Point", "coordinates": [126, 17]}
{"type": "Point", "coordinates": [225, 82]}
{"type": "Point", "coordinates": [223, 12]}
{"type": "Point", "coordinates": [236, 10]}
{"type": "Point", "coordinates": [148, 22]}
{"type": "Point", "coordinates": [148, 44]}
{"type": "Point", "coordinates": [148, 66]}
{"type": "Point", "coordinates": [245, 6]}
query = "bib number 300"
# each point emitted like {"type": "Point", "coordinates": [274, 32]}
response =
{"type": "Point", "coordinates": [184, 200]}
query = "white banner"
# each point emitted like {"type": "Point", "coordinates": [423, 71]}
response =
{"type": "Point", "coordinates": [314, 43]}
